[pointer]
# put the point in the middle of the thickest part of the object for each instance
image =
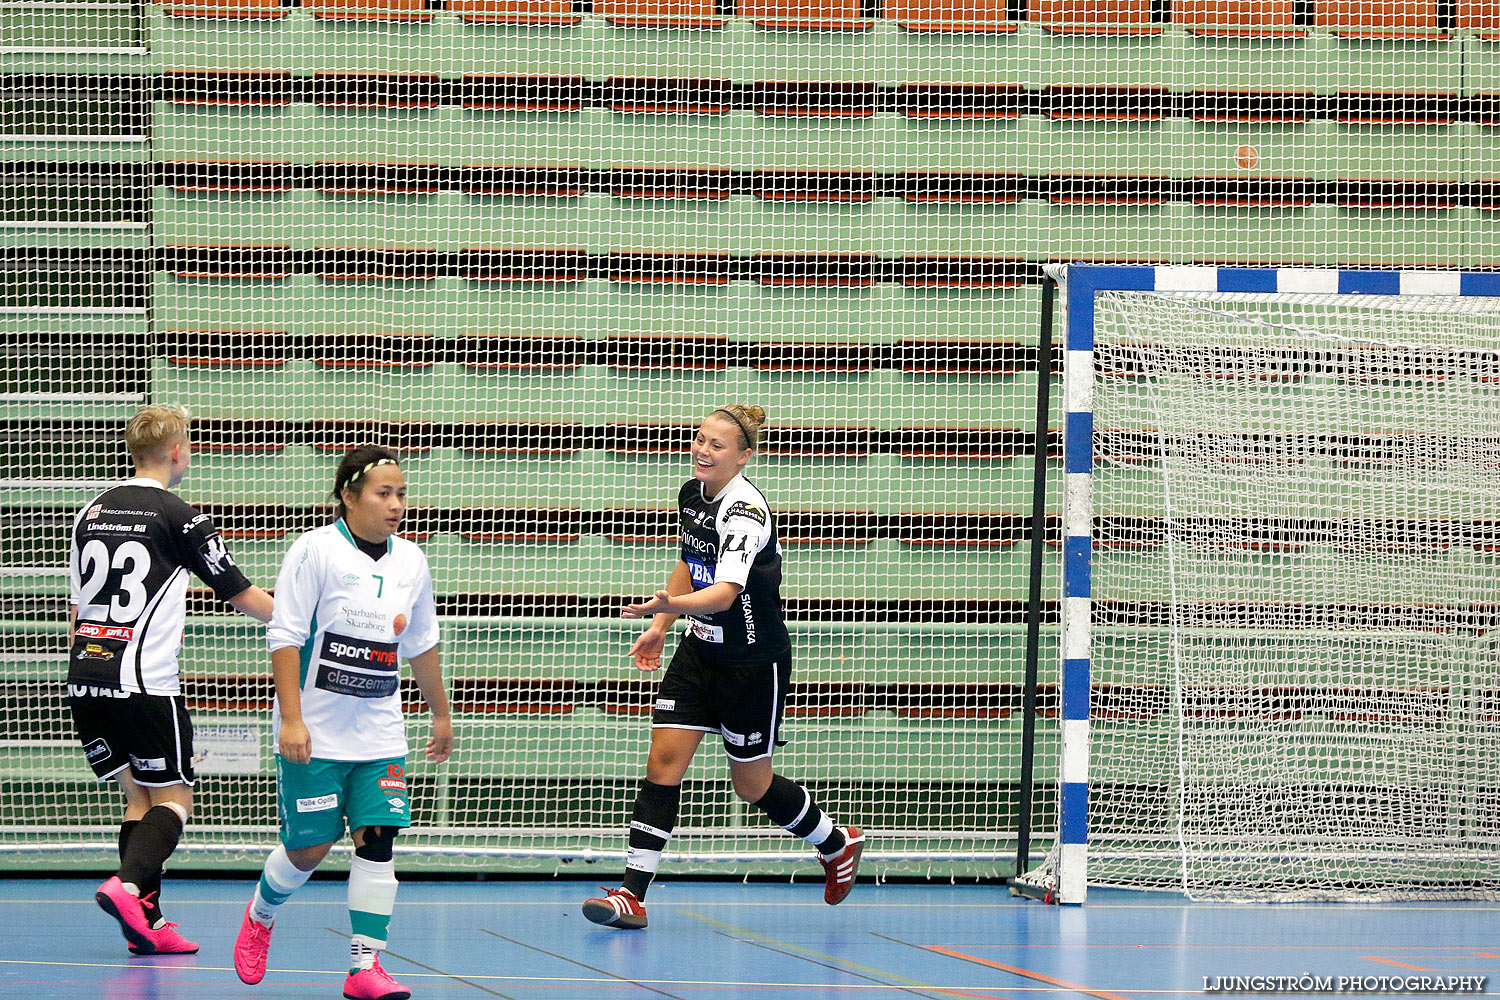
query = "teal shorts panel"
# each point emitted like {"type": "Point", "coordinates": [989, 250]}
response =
{"type": "Point", "coordinates": [314, 799]}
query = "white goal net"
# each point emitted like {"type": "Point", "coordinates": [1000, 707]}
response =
{"type": "Point", "coordinates": [1296, 583]}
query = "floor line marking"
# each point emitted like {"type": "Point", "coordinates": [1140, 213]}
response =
{"type": "Point", "coordinates": [883, 904]}
{"type": "Point", "coordinates": [581, 965]}
{"type": "Point", "coordinates": [429, 968]}
{"type": "Point", "coordinates": [531, 981]}
{"type": "Point", "coordinates": [749, 936]}
{"type": "Point", "coordinates": [1486, 954]}
{"type": "Point", "coordinates": [1012, 969]}
{"type": "Point", "coordinates": [1399, 965]}
{"type": "Point", "coordinates": [836, 968]}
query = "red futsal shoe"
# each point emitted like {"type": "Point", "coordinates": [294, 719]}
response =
{"type": "Point", "coordinates": [618, 908]}
{"type": "Point", "coordinates": [839, 870]}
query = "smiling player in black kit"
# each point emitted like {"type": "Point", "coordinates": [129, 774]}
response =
{"type": "Point", "coordinates": [729, 674]}
{"type": "Point", "coordinates": [132, 549]}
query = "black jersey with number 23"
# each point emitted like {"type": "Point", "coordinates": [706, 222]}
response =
{"type": "Point", "coordinates": [132, 549]}
{"type": "Point", "coordinates": [733, 538]}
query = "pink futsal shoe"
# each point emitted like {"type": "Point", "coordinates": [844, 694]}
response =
{"type": "Point", "coordinates": [618, 908]}
{"type": "Point", "coordinates": [250, 949]}
{"type": "Point", "coordinates": [374, 983]}
{"type": "Point", "coordinates": [114, 900]}
{"type": "Point", "coordinates": [839, 870]}
{"type": "Point", "coordinates": [167, 941]}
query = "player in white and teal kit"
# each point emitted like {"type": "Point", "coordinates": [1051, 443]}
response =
{"type": "Point", "coordinates": [353, 599]}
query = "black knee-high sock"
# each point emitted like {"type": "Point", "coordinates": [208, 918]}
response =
{"type": "Point", "coordinates": [150, 844]}
{"type": "Point", "coordinates": [151, 888]}
{"type": "Point", "coordinates": [651, 825]}
{"type": "Point", "coordinates": [792, 808]}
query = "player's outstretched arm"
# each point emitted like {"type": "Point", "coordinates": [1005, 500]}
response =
{"type": "Point", "coordinates": [646, 650]}
{"type": "Point", "coordinates": [427, 670]}
{"type": "Point", "coordinates": [254, 602]}
{"type": "Point", "coordinates": [710, 600]}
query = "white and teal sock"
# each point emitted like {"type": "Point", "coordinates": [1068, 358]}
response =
{"type": "Point", "coordinates": [372, 899]}
{"type": "Point", "coordinates": [278, 880]}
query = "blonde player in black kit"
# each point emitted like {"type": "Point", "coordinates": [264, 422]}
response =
{"type": "Point", "coordinates": [730, 671]}
{"type": "Point", "coordinates": [132, 549]}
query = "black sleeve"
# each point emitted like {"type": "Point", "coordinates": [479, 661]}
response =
{"type": "Point", "coordinates": [202, 550]}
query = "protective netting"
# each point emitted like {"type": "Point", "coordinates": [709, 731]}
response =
{"type": "Point", "coordinates": [530, 246]}
{"type": "Point", "coordinates": [530, 242]}
{"type": "Point", "coordinates": [1296, 582]}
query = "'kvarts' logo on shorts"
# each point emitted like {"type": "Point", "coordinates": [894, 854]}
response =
{"type": "Point", "coordinates": [392, 784]}
{"type": "Point", "coordinates": [318, 803]}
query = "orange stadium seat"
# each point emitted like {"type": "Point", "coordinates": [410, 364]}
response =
{"type": "Point", "coordinates": [249, 9]}
{"type": "Point", "coordinates": [1387, 19]}
{"type": "Point", "coordinates": [369, 10]}
{"type": "Point", "coordinates": [806, 15]}
{"type": "Point", "coordinates": [661, 13]}
{"type": "Point", "coordinates": [1482, 16]}
{"type": "Point", "coordinates": [1237, 18]}
{"type": "Point", "coordinates": [988, 16]}
{"type": "Point", "coordinates": [538, 12]}
{"type": "Point", "coordinates": [1094, 17]}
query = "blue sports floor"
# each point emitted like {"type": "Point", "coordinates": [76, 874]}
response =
{"type": "Point", "coordinates": [714, 941]}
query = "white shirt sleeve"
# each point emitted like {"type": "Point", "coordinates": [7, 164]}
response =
{"type": "Point", "coordinates": [298, 588]}
{"type": "Point", "coordinates": [422, 633]}
{"type": "Point", "coordinates": [75, 572]}
{"type": "Point", "coordinates": [744, 530]}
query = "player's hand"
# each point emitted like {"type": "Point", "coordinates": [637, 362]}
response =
{"type": "Point", "coordinates": [661, 604]}
{"type": "Point", "coordinates": [646, 650]}
{"type": "Point", "coordinates": [440, 743]}
{"type": "Point", "coordinates": [296, 742]}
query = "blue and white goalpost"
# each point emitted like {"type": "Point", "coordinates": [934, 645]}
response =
{"type": "Point", "coordinates": [1280, 493]}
